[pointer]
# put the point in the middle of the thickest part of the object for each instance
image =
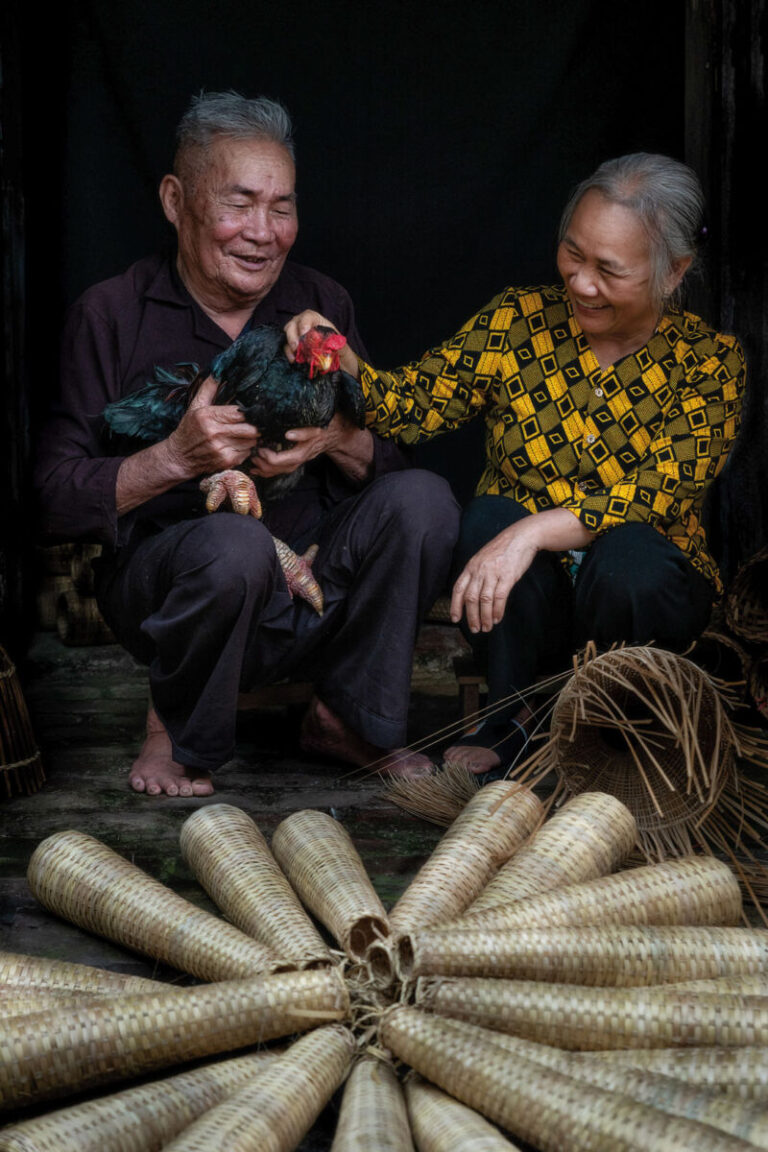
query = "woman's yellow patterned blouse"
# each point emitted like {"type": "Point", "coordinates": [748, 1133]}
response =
{"type": "Point", "coordinates": [639, 441]}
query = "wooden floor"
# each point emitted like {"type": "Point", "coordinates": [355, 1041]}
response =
{"type": "Point", "coordinates": [87, 706]}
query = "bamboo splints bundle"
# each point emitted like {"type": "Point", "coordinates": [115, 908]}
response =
{"type": "Point", "coordinates": [564, 1001]}
{"type": "Point", "coordinates": [82, 880]}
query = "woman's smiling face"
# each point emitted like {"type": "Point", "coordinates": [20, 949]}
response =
{"type": "Point", "coordinates": [605, 262]}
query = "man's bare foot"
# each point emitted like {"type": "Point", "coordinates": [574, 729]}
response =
{"type": "Point", "coordinates": [156, 772]}
{"type": "Point", "coordinates": [326, 734]}
{"type": "Point", "coordinates": [505, 743]}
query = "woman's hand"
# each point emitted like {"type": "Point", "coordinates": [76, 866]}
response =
{"type": "Point", "coordinates": [350, 447]}
{"type": "Point", "coordinates": [482, 589]}
{"type": "Point", "coordinates": [301, 324]}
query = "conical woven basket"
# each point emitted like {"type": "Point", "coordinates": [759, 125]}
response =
{"type": "Point", "coordinates": [590, 836]}
{"type": "Point", "coordinates": [647, 727]}
{"type": "Point", "coordinates": [68, 1049]}
{"type": "Point", "coordinates": [692, 890]}
{"type": "Point", "coordinates": [373, 1112]}
{"type": "Point", "coordinates": [494, 824]}
{"type": "Point", "coordinates": [322, 864]}
{"type": "Point", "coordinates": [21, 766]}
{"type": "Point", "coordinates": [230, 858]}
{"type": "Point", "coordinates": [139, 1119]}
{"type": "Point", "coordinates": [441, 1124]}
{"type": "Point", "coordinates": [84, 881]}
{"type": "Point", "coordinates": [274, 1112]}
{"type": "Point", "coordinates": [552, 1111]}
{"type": "Point", "coordinates": [747, 1121]}
{"type": "Point", "coordinates": [28, 972]}
{"type": "Point", "coordinates": [746, 604]}
{"type": "Point", "coordinates": [589, 1019]}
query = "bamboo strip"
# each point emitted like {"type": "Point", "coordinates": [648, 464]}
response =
{"type": "Point", "coordinates": [740, 1072]}
{"type": "Point", "coordinates": [139, 1119]}
{"type": "Point", "coordinates": [613, 956]}
{"type": "Point", "coordinates": [692, 890]}
{"type": "Point", "coordinates": [275, 1112]}
{"type": "Point", "coordinates": [321, 862]}
{"type": "Point", "coordinates": [441, 1124]}
{"type": "Point", "coordinates": [84, 881]}
{"type": "Point", "coordinates": [579, 1018]}
{"type": "Point", "coordinates": [18, 970]}
{"type": "Point", "coordinates": [590, 836]}
{"type": "Point", "coordinates": [495, 823]}
{"type": "Point", "coordinates": [50, 1053]}
{"type": "Point", "coordinates": [553, 1112]}
{"type": "Point", "coordinates": [747, 1121]}
{"type": "Point", "coordinates": [230, 858]}
{"type": "Point", "coordinates": [373, 1113]}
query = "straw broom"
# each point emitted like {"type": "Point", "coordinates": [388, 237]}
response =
{"type": "Point", "coordinates": [597, 955]}
{"type": "Point", "coordinates": [373, 1113]}
{"type": "Point", "coordinates": [50, 1053]}
{"type": "Point", "coordinates": [27, 972]}
{"type": "Point", "coordinates": [692, 890]}
{"type": "Point", "coordinates": [590, 836]}
{"type": "Point", "coordinates": [274, 1112]}
{"type": "Point", "coordinates": [84, 881]}
{"type": "Point", "coordinates": [553, 1112]}
{"type": "Point", "coordinates": [738, 1072]}
{"type": "Point", "coordinates": [138, 1119]}
{"type": "Point", "coordinates": [229, 856]}
{"type": "Point", "coordinates": [321, 862]}
{"type": "Point", "coordinates": [747, 1121]}
{"type": "Point", "coordinates": [590, 1019]}
{"type": "Point", "coordinates": [441, 1124]}
{"type": "Point", "coordinates": [495, 823]}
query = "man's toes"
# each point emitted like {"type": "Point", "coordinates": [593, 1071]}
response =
{"type": "Point", "coordinates": [137, 783]}
{"type": "Point", "coordinates": [202, 787]}
{"type": "Point", "coordinates": [185, 788]}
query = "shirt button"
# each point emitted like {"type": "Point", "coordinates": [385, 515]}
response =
{"type": "Point", "coordinates": [598, 391]}
{"type": "Point", "coordinates": [590, 438]}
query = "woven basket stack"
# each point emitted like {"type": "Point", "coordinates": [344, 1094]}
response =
{"type": "Point", "coordinates": [65, 596]}
{"type": "Point", "coordinates": [523, 987]}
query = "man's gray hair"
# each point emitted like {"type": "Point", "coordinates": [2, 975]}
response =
{"type": "Point", "coordinates": [213, 114]}
{"type": "Point", "coordinates": [666, 197]}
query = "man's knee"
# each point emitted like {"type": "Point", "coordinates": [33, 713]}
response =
{"type": "Point", "coordinates": [225, 553]}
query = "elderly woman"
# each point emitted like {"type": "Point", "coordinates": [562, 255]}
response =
{"type": "Point", "coordinates": [608, 413]}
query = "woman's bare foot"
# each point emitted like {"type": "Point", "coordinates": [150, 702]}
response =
{"type": "Point", "coordinates": [326, 734]}
{"type": "Point", "coordinates": [473, 757]}
{"type": "Point", "coordinates": [156, 772]}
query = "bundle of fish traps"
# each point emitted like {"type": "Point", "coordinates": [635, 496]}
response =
{"type": "Point", "coordinates": [527, 986]}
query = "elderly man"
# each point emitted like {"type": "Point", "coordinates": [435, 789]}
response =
{"type": "Point", "coordinates": [201, 599]}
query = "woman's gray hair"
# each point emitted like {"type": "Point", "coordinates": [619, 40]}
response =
{"type": "Point", "coordinates": [213, 114]}
{"type": "Point", "coordinates": [666, 197]}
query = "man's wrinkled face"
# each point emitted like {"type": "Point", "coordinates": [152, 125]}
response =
{"type": "Point", "coordinates": [236, 221]}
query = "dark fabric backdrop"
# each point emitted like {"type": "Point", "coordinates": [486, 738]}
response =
{"type": "Point", "coordinates": [436, 143]}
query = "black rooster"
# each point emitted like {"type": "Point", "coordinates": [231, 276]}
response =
{"type": "Point", "coordinates": [273, 394]}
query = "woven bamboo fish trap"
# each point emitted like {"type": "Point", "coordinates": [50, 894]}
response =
{"type": "Point", "coordinates": [82, 880]}
{"type": "Point", "coordinates": [747, 1121]}
{"type": "Point", "coordinates": [28, 972]}
{"type": "Point", "coordinates": [739, 985]}
{"type": "Point", "coordinates": [600, 956]}
{"type": "Point", "coordinates": [692, 890]}
{"type": "Point", "coordinates": [581, 1018]}
{"type": "Point", "coordinates": [746, 603]}
{"type": "Point", "coordinates": [554, 1112]}
{"type": "Point", "coordinates": [139, 1119]}
{"type": "Point", "coordinates": [648, 727]}
{"type": "Point", "coordinates": [441, 1124]}
{"type": "Point", "coordinates": [231, 859]}
{"type": "Point", "coordinates": [738, 1072]}
{"type": "Point", "coordinates": [21, 766]}
{"type": "Point", "coordinates": [120, 1039]}
{"type": "Point", "coordinates": [589, 836]}
{"type": "Point", "coordinates": [321, 862]}
{"type": "Point", "coordinates": [274, 1112]}
{"type": "Point", "coordinates": [494, 824]}
{"type": "Point", "coordinates": [373, 1111]}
